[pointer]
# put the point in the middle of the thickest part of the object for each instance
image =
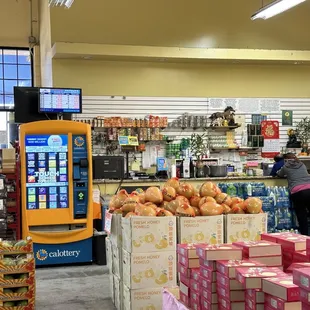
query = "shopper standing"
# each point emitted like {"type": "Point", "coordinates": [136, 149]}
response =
{"type": "Point", "coordinates": [298, 180]}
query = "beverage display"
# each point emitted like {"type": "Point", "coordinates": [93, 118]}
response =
{"type": "Point", "coordinates": [47, 171]}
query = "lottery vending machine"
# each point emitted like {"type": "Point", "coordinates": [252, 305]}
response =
{"type": "Point", "coordinates": [56, 182]}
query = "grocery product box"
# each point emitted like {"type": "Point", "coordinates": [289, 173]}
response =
{"type": "Point", "coordinates": [195, 275]}
{"type": "Point", "coordinates": [251, 278]}
{"type": "Point", "coordinates": [301, 277]}
{"type": "Point", "coordinates": [184, 271]}
{"type": "Point", "coordinates": [22, 279]}
{"type": "Point", "coordinates": [283, 288]}
{"type": "Point", "coordinates": [210, 297]}
{"type": "Point", "coordinates": [250, 305]}
{"type": "Point", "coordinates": [293, 243]}
{"type": "Point", "coordinates": [301, 257]}
{"type": "Point", "coordinates": [26, 304]}
{"type": "Point", "coordinates": [259, 248]}
{"type": "Point", "coordinates": [184, 299]}
{"type": "Point", "coordinates": [304, 296]}
{"type": "Point", "coordinates": [280, 304]}
{"type": "Point", "coordinates": [226, 304]}
{"type": "Point", "coordinates": [187, 250]}
{"type": "Point", "coordinates": [232, 296]}
{"type": "Point", "coordinates": [185, 280]}
{"type": "Point", "coordinates": [297, 266]}
{"type": "Point", "coordinates": [147, 298]}
{"type": "Point", "coordinates": [195, 305]}
{"type": "Point", "coordinates": [210, 264]}
{"type": "Point", "coordinates": [270, 261]}
{"type": "Point", "coordinates": [228, 268]}
{"type": "Point", "coordinates": [23, 264]}
{"type": "Point", "coordinates": [188, 262]}
{"type": "Point", "coordinates": [273, 237]}
{"type": "Point", "coordinates": [219, 252]}
{"type": "Point", "coordinates": [229, 284]}
{"type": "Point", "coordinates": [17, 293]}
{"type": "Point", "coordinates": [205, 305]}
{"type": "Point", "coordinates": [194, 285]}
{"type": "Point", "coordinates": [201, 229]}
{"type": "Point", "coordinates": [118, 293]}
{"type": "Point", "coordinates": [257, 296]}
{"type": "Point", "coordinates": [141, 234]}
{"type": "Point", "coordinates": [142, 270]}
{"type": "Point", "coordinates": [208, 274]}
{"type": "Point", "coordinates": [245, 227]}
{"type": "Point", "coordinates": [184, 289]}
{"type": "Point", "coordinates": [16, 247]}
{"type": "Point", "coordinates": [115, 234]}
{"type": "Point", "coordinates": [117, 262]}
{"type": "Point", "coordinates": [195, 297]}
{"type": "Point", "coordinates": [207, 285]}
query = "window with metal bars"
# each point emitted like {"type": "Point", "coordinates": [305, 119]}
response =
{"type": "Point", "coordinates": [15, 70]}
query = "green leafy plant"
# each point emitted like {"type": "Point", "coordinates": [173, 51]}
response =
{"type": "Point", "coordinates": [197, 145]}
{"type": "Point", "coordinates": [303, 130]}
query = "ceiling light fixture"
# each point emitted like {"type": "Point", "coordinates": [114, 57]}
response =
{"type": "Point", "coordinates": [275, 8]}
{"type": "Point", "coordinates": [66, 3]}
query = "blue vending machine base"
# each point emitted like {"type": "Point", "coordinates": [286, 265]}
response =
{"type": "Point", "coordinates": [66, 253]}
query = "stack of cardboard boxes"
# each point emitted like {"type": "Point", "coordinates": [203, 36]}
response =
{"type": "Point", "coordinates": [301, 277]}
{"type": "Point", "coordinates": [149, 260]}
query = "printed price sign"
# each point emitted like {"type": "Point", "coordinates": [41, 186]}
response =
{"type": "Point", "coordinates": [128, 141]}
{"type": "Point", "coordinates": [108, 222]}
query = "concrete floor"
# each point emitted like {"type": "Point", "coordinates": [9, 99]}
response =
{"type": "Point", "coordinates": [73, 288]}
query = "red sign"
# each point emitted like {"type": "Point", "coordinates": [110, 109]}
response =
{"type": "Point", "coordinates": [271, 133]}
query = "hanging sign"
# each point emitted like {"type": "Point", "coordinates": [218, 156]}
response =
{"type": "Point", "coordinates": [287, 118]}
{"type": "Point", "coordinates": [271, 133]}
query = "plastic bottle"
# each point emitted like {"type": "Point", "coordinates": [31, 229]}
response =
{"type": "Point", "coordinates": [273, 196]}
{"type": "Point", "coordinates": [249, 189]}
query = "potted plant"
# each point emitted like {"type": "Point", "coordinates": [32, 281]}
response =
{"type": "Point", "coordinates": [303, 133]}
{"type": "Point", "coordinates": [198, 149]}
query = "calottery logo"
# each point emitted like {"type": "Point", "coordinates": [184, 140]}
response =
{"type": "Point", "coordinates": [42, 254]}
{"type": "Point", "coordinates": [79, 141]}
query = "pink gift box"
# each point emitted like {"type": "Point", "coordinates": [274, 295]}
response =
{"type": "Point", "coordinates": [301, 277]}
{"type": "Point", "coordinates": [187, 250]}
{"type": "Point", "coordinates": [281, 304]}
{"type": "Point", "coordinates": [304, 296]}
{"type": "Point", "coordinates": [229, 284]}
{"type": "Point", "coordinates": [308, 243]}
{"type": "Point", "coordinates": [305, 307]}
{"type": "Point", "coordinates": [274, 236]}
{"type": "Point", "coordinates": [227, 305]}
{"type": "Point", "coordinates": [205, 305]}
{"type": "Point", "coordinates": [293, 243]}
{"type": "Point", "coordinates": [251, 278]}
{"type": "Point", "coordinates": [185, 280]}
{"type": "Point", "coordinates": [257, 296]}
{"type": "Point", "coordinates": [188, 262]}
{"type": "Point", "coordinates": [184, 299]}
{"type": "Point", "coordinates": [208, 274]}
{"type": "Point", "coordinates": [194, 285]}
{"type": "Point", "coordinates": [228, 268]}
{"type": "Point", "coordinates": [259, 248]}
{"type": "Point", "coordinates": [300, 257]}
{"type": "Point", "coordinates": [207, 285]}
{"type": "Point", "coordinates": [219, 252]}
{"type": "Point", "coordinates": [232, 296]}
{"type": "Point", "coordinates": [195, 297]}
{"type": "Point", "coordinates": [186, 272]}
{"type": "Point", "coordinates": [250, 305]}
{"type": "Point", "coordinates": [209, 296]}
{"type": "Point", "coordinates": [270, 261]}
{"type": "Point", "coordinates": [283, 288]}
{"type": "Point", "coordinates": [195, 305]}
{"type": "Point", "coordinates": [195, 274]}
{"type": "Point", "coordinates": [209, 264]}
{"type": "Point", "coordinates": [297, 266]}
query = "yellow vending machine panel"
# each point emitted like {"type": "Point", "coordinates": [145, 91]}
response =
{"type": "Point", "coordinates": [56, 183]}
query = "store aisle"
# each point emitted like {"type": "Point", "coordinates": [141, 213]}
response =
{"type": "Point", "coordinates": [78, 288]}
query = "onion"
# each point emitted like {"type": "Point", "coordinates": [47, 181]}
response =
{"type": "Point", "coordinates": [203, 200]}
{"type": "Point", "coordinates": [169, 193]}
{"type": "Point", "coordinates": [253, 205]}
{"type": "Point", "coordinates": [223, 198]}
{"type": "Point", "coordinates": [208, 189]}
{"type": "Point", "coordinates": [211, 208]}
{"type": "Point", "coordinates": [162, 212]}
{"type": "Point", "coordinates": [173, 182]}
{"type": "Point", "coordinates": [185, 210]}
{"type": "Point", "coordinates": [153, 194]}
{"type": "Point", "coordinates": [148, 211]}
{"type": "Point", "coordinates": [186, 190]}
{"type": "Point", "coordinates": [172, 206]}
{"type": "Point", "coordinates": [194, 201]}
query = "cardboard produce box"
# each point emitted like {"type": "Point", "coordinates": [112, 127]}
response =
{"type": "Point", "coordinates": [155, 269]}
{"type": "Point", "coordinates": [109, 254]}
{"type": "Point", "coordinates": [245, 227]}
{"type": "Point", "coordinates": [141, 234]}
{"type": "Point", "coordinates": [146, 298]}
{"type": "Point", "coordinates": [201, 229]}
{"type": "Point", "coordinates": [117, 263]}
{"type": "Point", "coordinates": [118, 293]}
{"type": "Point", "coordinates": [115, 234]}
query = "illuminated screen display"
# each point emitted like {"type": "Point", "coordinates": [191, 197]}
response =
{"type": "Point", "coordinates": [47, 171]}
{"type": "Point", "coordinates": [59, 100]}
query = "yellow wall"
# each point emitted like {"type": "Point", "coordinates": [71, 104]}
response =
{"type": "Point", "coordinates": [14, 23]}
{"type": "Point", "coordinates": [187, 23]}
{"type": "Point", "coordinates": [167, 79]}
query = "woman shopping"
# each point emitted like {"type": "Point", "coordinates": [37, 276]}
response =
{"type": "Point", "coordinates": [298, 180]}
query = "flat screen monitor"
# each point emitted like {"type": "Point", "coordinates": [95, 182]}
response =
{"type": "Point", "coordinates": [26, 106]}
{"type": "Point", "coordinates": [47, 172]}
{"type": "Point", "coordinates": [60, 100]}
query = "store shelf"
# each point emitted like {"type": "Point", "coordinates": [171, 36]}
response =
{"type": "Point", "coordinates": [222, 128]}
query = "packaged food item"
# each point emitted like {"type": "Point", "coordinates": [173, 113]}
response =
{"type": "Point", "coordinates": [261, 248]}
{"type": "Point", "coordinates": [219, 252]}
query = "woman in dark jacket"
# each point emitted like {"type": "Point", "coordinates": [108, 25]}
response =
{"type": "Point", "coordinates": [298, 180]}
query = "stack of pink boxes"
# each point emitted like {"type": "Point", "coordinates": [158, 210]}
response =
{"type": "Point", "coordinates": [188, 269]}
{"type": "Point", "coordinates": [281, 293]}
{"type": "Point", "coordinates": [301, 277]}
{"type": "Point", "coordinates": [213, 294]}
{"type": "Point", "coordinates": [293, 247]}
{"type": "Point", "coordinates": [265, 252]}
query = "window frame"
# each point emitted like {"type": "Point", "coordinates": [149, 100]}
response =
{"type": "Point", "coordinates": [3, 109]}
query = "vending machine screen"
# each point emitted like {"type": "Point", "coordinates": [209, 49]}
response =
{"type": "Point", "coordinates": [47, 171]}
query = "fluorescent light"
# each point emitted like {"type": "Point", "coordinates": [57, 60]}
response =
{"type": "Point", "coordinates": [66, 3]}
{"type": "Point", "coordinates": [275, 8]}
